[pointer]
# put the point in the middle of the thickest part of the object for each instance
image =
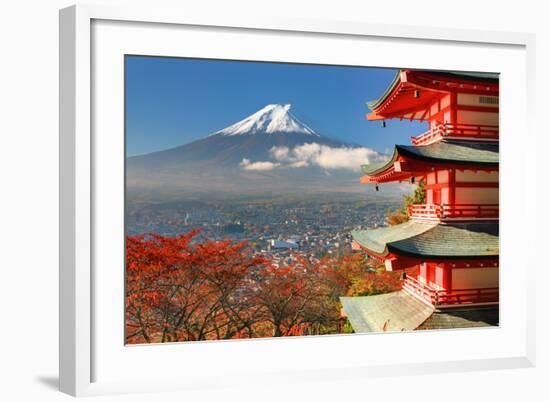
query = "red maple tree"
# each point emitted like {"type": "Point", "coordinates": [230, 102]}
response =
{"type": "Point", "coordinates": [178, 289]}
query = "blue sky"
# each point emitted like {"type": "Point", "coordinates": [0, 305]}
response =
{"type": "Point", "coordinates": [173, 101]}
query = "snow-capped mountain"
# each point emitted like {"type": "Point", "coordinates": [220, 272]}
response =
{"type": "Point", "coordinates": [273, 118]}
{"type": "Point", "coordinates": [269, 151]}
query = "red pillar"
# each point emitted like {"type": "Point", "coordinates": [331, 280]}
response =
{"type": "Point", "coordinates": [423, 271]}
{"type": "Point", "coordinates": [452, 186]}
{"type": "Point", "coordinates": [448, 277]}
{"type": "Point", "coordinates": [454, 103]}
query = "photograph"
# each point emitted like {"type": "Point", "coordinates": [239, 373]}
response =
{"type": "Point", "coordinates": [300, 200]}
{"type": "Point", "coordinates": [270, 199]}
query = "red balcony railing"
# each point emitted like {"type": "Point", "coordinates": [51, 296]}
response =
{"type": "Point", "coordinates": [420, 290]}
{"type": "Point", "coordinates": [480, 133]}
{"type": "Point", "coordinates": [442, 298]}
{"type": "Point", "coordinates": [460, 211]}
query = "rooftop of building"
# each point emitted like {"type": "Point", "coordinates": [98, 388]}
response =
{"type": "Point", "coordinates": [395, 311]}
{"type": "Point", "coordinates": [432, 239]}
{"type": "Point", "coordinates": [401, 311]}
{"type": "Point", "coordinates": [461, 318]}
{"type": "Point", "coordinates": [456, 153]}
{"type": "Point", "coordinates": [448, 76]}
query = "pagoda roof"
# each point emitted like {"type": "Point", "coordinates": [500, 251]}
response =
{"type": "Point", "coordinates": [397, 100]}
{"type": "Point", "coordinates": [459, 318]}
{"type": "Point", "coordinates": [401, 311]}
{"type": "Point", "coordinates": [373, 104]}
{"type": "Point", "coordinates": [454, 153]}
{"type": "Point", "coordinates": [394, 311]}
{"type": "Point", "coordinates": [477, 76]}
{"type": "Point", "coordinates": [432, 240]}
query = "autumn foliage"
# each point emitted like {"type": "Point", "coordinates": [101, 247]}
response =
{"type": "Point", "coordinates": [181, 290]}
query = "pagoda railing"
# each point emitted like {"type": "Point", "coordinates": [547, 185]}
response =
{"type": "Point", "coordinates": [448, 298]}
{"type": "Point", "coordinates": [420, 290]}
{"type": "Point", "coordinates": [472, 132]}
{"type": "Point", "coordinates": [457, 211]}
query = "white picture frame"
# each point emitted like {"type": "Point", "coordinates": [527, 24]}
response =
{"type": "Point", "coordinates": [86, 365]}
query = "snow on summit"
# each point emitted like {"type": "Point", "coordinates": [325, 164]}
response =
{"type": "Point", "coordinates": [273, 118]}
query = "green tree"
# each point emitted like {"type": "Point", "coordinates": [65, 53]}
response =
{"type": "Point", "coordinates": [418, 197]}
{"type": "Point", "coordinates": [401, 215]}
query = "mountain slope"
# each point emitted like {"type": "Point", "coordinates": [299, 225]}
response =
{"type": "Point", "coordinates": [260, 154]}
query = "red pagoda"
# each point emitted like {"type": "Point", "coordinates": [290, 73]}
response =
{"type": "Point", "coordinates": [449, 246]}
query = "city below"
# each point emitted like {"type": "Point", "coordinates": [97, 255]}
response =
{"type": "Point", "coordinates": [312, 226]}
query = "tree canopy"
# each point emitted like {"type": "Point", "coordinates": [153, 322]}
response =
{"type": "Point", "coordinates": [179, 290]}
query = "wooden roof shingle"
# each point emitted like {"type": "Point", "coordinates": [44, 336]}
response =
{"type": "Point", "coordinates": [433, 240]}
{"type": "Point", "coordinates": [461, 318]}
{"type": "Point", "coordinates": [469, 154]}
{"type": "Point", "coordinates": [394, 311]}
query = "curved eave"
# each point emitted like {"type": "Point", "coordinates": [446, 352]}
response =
{"type": "Point", "coordinates": [376, 240]}
{"type": "Point", "coordinates": [408, 161]}
{"type": "Point", "coordinates": [379, 168]}
{"type": "Point", "coordinates": [380, 256]}
{"type": "Point", "coordinates": [397, 101]}
{"type": "Point", "coordinates": [432, 241]}
{"type": "Point", "coordinates": [397, 251]}
{"type": "Point", "coordinates": [375, 104]}
{"type": "Point", "coordinates": [456, 153]}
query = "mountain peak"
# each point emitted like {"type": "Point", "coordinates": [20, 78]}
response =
{"type": "Point", "coordinates": [273, 118]}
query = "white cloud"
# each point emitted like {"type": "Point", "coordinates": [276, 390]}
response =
{"type": "Point", "coordinates": [280, 152]}
{"type": "Point", "coordinates": [298, 164]}
{"type": "Point", "coordinates": [327, 157]}
{"type": "Point", "coordinates": [257, 166]}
